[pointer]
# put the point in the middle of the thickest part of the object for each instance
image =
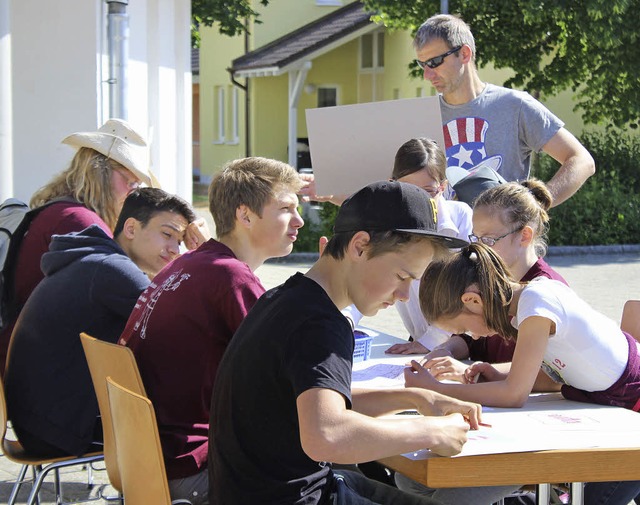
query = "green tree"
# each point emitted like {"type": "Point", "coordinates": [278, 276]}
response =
{"type": "Point", "coordinates": [588, 46]}
{"type": "Point", "coordinates": [230, 14]}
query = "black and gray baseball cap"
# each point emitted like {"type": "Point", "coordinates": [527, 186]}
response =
{"type": "Point", "coordinates": [468, 184]}
{"type": "Point", "coordinates": [392, 206]}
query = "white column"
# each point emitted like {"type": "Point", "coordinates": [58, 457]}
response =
{"type": "Point", "coordinates": [6, 126]}
{"type": "Point", "coordinates": [160, 66]}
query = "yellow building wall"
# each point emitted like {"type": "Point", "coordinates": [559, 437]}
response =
{"type": "Point", "coordinates": [216, 53]}
{"type": "Point", "coordinates": [398, 55]}
{"type": "Point", "coordinates": [337, 68]}
{"type": "Point", "coordinates": [269, 117]}
{"type": "Point", "coordinates": [269, 104]}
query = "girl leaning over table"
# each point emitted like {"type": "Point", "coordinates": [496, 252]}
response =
{"type": "Point", "coordinates": [512, 219]}
{"type": "Point", "coordinates": [472, 292]}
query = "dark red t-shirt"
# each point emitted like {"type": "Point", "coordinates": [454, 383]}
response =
{"type": "Point", "coordinates": [178, 331]}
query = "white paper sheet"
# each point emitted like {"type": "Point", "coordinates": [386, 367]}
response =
{"type": "Point", "coordinates": [354, 145]}
{"type": "Point", "coordinates": [550, 422]}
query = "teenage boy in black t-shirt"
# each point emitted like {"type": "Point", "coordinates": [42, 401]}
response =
{"type": "Point", "coordinates": [282, 405]}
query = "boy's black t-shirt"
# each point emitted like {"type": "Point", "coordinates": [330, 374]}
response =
{"type": "Point", "coordinates": [292, 340]}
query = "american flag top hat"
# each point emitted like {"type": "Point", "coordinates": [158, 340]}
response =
{"type": "Point", "coordinates": [464, 140]}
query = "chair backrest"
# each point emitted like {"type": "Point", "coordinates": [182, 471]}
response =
{"type": "Point", "coordinates": [4, 418]}
{"type": "Point", "coordinates": [118, 362]}
{"type": "Point", "coordinates": [631, 318]}
{"type": "Point", "coordinates": [144, 478]}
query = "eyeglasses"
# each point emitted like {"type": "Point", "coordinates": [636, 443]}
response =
{"type": "Point", "coordinates": [433, 191]}
{"type": "Point", "coordinates": [436, 61]}
{"type": "Point", "coordinates": [490, 241]}
{"type": "Point", "coordinates": [132, 185]}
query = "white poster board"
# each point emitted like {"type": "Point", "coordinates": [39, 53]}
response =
{"type": "Point", "coordinates": [354, 145]}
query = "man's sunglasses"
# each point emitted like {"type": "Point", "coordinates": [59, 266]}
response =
{"type": "Point", "coordinates": [436, 61]}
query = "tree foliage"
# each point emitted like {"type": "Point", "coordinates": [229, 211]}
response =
{"type": "Point", "coordinates": [230, 14]}
{"type": "Point", "coordinates": [588, 46]}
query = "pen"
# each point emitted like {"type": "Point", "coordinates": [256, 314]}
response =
{"type": "Point", "coordinates": [486, 425]}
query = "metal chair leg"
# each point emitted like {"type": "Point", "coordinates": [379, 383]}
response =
{"type": "Point", "coordinates": [17, 485]}
{"type": "Point", "coordinates": [57, 486]}
{"type": "Point", "coordinates": [35, 490]}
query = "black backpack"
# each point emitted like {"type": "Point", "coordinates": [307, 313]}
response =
{"type": "Point", "coordinates": [15, 219]}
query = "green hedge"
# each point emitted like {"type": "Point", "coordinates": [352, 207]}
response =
{"type": "Point", "coordinates": [311, 232]}
{"type": "Point", "coordinates": [605, 211]}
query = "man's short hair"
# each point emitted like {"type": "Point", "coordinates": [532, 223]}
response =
{"type": "Point", "coordinates": [143, 204]}
{"type": "Point", "coordinates": [252, 182]}
{"type": "Point", "coordinates": [452, 29]}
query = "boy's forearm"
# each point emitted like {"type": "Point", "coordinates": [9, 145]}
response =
{"type": "Point", "coordinates": [329, 432]}
{"type": "Point", "coordinates": [380, 402]}
{"type": "Point", "coordinates": [359, 438]}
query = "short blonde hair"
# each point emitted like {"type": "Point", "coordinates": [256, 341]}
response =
{"type": "Point", "coordinates": [87, 180]}
{"type": "Point", "coordinates": [249, 181]}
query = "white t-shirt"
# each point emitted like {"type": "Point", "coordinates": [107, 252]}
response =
{"type": "Point", "coordinates": [454, 219]}
{"type": "Point", "coordinates": [588, 350]}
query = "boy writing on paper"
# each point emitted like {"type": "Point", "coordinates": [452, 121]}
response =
{"type": "Point", "coordinates": [282, 408]}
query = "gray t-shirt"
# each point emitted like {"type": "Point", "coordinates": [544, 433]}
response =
{"type": "Point", "coordinates": [500, 127]}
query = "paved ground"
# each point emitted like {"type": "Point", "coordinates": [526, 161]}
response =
{"type": "Point", "coordinates": [604, 280]}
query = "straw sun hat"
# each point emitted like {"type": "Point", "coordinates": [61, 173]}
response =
{"type": "Point", "coordinates": [119, 142]}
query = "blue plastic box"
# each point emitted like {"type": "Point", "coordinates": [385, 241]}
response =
{"type": "Point", "coordinates": [362, 349]}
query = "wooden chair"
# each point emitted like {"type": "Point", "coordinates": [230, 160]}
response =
{"type": "Point", "coordinates": [142, 471]}
{"type": "Point", "coordinates": [118, 362]}
{"type": "Point", "coordinates": [631, 318]}
{"type": "Point", "coordinates": [14, 452]}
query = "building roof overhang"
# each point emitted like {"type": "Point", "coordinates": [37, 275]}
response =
{"type": "Point", "coordinates": [305, 44]}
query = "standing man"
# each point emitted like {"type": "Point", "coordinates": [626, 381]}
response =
{"type": "Point", "coordinates": [185, 319]}
{"type": "Point", "coordinates": [486, 123]}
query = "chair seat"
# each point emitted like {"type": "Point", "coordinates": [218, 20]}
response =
{"type": "Point", "coordinates": [14, 451]}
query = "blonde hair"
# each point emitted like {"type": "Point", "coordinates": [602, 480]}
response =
{"type": "Point", "coordinates": [519, 205]}
{"type": "Point", "coordinates": [87, 180]}
{"type": "Point", "coordinates": [445, 281]}
{"type": "Point", "coordinates": [248, 181]}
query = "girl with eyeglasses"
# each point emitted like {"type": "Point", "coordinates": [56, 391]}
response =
{"type": "Point", "coordinates": [512, 219]}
